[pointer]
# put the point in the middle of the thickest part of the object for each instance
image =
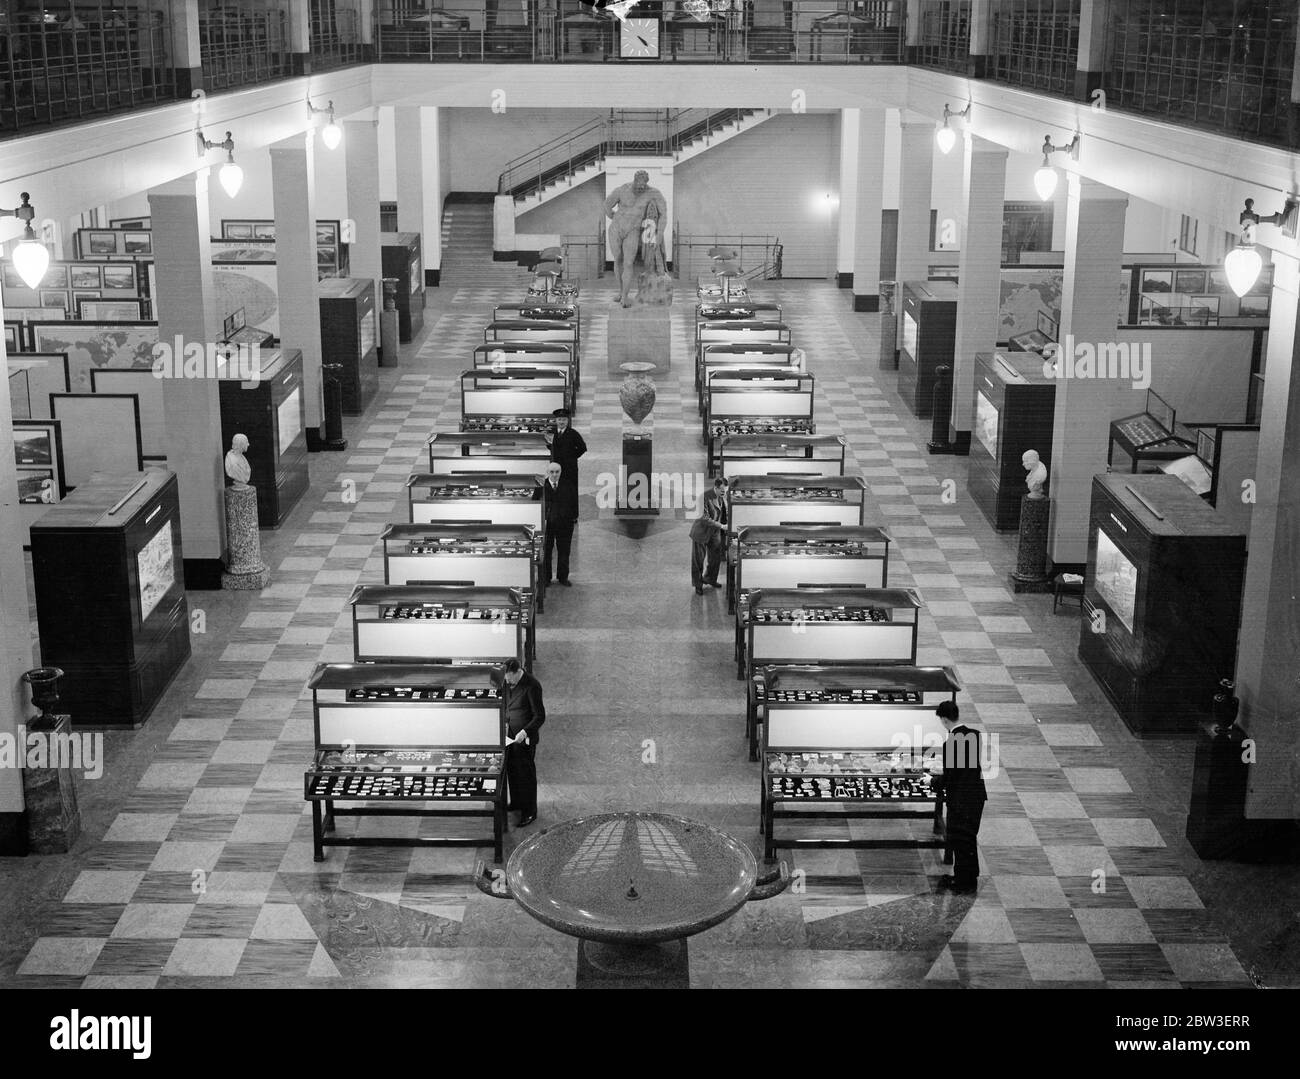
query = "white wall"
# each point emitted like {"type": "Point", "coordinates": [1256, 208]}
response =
{"type": "Point", "coordinates": [482, 141]}
{"type": "Point", "coordinates": [577, 212]}
{"type": "Point", "coordinates": [771, 180]}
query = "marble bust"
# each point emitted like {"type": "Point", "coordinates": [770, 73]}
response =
{"type": "Point", "coordinates": [1036, 473]}
{"type": "Point", "coordinates": [236, 466]}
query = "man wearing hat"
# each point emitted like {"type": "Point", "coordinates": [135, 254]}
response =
{"type": "Point", "coordinates": [560, 493]}
{"type": "Point", "coordinates": [626, 208]}
{"type": "Point", "coordinates": [964, 796]}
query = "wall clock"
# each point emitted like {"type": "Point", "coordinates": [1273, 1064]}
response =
{"type": "Point", "coordinates": [639, 39]}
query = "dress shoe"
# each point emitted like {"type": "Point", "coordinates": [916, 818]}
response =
{"type": "Point", "coordinates": [699, 589]}
{"type": "Point", "coordinates": [567, 583]}
{"type": "Point", "coordinates": [713, 584]}
{"type": "Point", "coordinates": [525, 821]}
{"type": "Point", "coordinates": [950, 884]}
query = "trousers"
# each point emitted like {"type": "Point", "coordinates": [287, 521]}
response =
{"type": "Point", "coordinates": [559, 538]}
{"type": "Point", "coordinates": [963, 828]}
{"type": "Point", "coordinates": [700, 554]}
{"type": "Point", "coordinates": [521, 777]}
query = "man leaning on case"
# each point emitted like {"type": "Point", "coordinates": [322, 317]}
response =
{"type": "Point", "coordinates": [964, 797]}
{"type": "Point", "coordinates": [525, 715]}
{"type": "Point", "coordinates": [709, 538]}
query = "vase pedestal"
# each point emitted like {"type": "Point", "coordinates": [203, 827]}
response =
{"type": "Point", "coordinates": [640, 335]}
{"type": "Point", "coordinates": [634, 478]}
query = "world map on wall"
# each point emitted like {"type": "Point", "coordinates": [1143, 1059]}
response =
{"type": "Point", "coordinates": [88, 347]}
{"type": "Point", "coordinates": [1025, 293]}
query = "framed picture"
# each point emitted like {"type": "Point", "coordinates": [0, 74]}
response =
{"type": "Point", "coordinates": [1209, 302]}
{"type": "Point", "coordinates": [327, 256]}
{"type": "Point", "coordinates": [1264, 285]}
{"type": "Point", "coordinates": [51, 297]}
{"type": "Point", "coordinates": [36, 314]}
{"type": "Point", "coordinates": [94, 309]}
{"type": "Point", "coordinates": [35, 442]}
{"type": "Point", "coordinates": [37, 485]}
{"type": "Point", "coordinates": [55, 277]}
{"type": "Point", "coordinates": [15, 338]}
{"type": "Point", "coordinates": [264, 230]}
{"type": "Point", "coordinates": [1157, 281]}
{"type": "Point", "coordinates": [236, 230]}
{"type": "Point", "coordinates": [1217, 281]}
{"type": "Point", "coordinates": [101, 433]}
{"type": "Point", "coordinates": [252, 286]}
{"type": "Point", "coordinates": [1252, 306]}
{"type": "Point", "coordinates": [11, 278]}
{"type": "Point", "coordinates": [1189, 281]}
{"type": "Point", "coordinates": [130, 222]}
{"type": "Point", "coordinates": [47, 373]}
{"type": "Point", "coordinates": [97, 344]}
{"type": "Point", "coordinates": [99, 243]}
{"type": "Point", "coordinates": [149, 391]}
{"type": "Point", "coordinates": [137, 243]}
{"type": "Point", "coordinates": [85, 275]}
{"type": "Point", "coordinates": [327, 232]}
{"type": "Point", "coordinates": [121, 278]}
{"type": "Point", "coordinates": [243, 250]}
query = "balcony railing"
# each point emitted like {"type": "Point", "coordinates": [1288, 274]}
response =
{"type": "Point", "coordinates": [335, 34]}
{"type": "Point", "coordinates": [242, 44]}
{"type": "Point", "coordinates": [67, 61]}
{"type": "Point", "coordinates": [1036, 44]}
{"type": "Point", "coordinates": [567, 31]}
{"type": "Point", "coordinates": [945, 35]}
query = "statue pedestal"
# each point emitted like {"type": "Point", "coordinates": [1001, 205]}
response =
{"type": "Point", "coordinates": [640, 335]}
{"type": "Point", "coordinates": [634, 490]}
{"type": "Point", "coordinates": [1031, 559]}
{"type": "Point", "coordinates": [53, 819]}
{"type": "Point", "coordinates": [246, 569]}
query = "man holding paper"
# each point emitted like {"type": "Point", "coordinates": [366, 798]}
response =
{"type": "Point", "coordinates": [525, 715]}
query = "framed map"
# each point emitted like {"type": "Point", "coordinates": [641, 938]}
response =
{"type": "Point", "coordinates": [97, 344]}
{"type": "Point", "coordinates": [1025, 294]}
{"type": "Point", "coordinates": [252, 286]}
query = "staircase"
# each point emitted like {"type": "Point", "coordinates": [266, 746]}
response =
{"type": "Point", "coordinates": [579, 155]}
{"type": "Point", "coordinates": [467, 250]}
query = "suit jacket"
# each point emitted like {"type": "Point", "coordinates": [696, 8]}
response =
{"type": "Point", "coordinates": [566, 448]}
{"type": "Point", "coordinates": [715, 509]}
{"type": "Point", "coordinates": [559, 504]}
{"type": "Point", "coordinates": [963, 777]}
{"type": "Point", "coordinates": [524, 708]}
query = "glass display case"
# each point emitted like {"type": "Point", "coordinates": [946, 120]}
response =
{"type": "Point", "coordinates": [552, 379]}
{"type": "Point", "coordinates": [533, 331]}
{"type": "Point", "coordinates": [858, 743]}
{"type": "Point", "coordinates": [489, 400]}
{"type": "Point", "coordinates": [396, 734]}
{"type": "Point", "coordinates": [796, 500]}
{"type": "Point", "coordinates": [486, 556]}
{"type": "Point", "coordinates": [448, 624]}
{"type": "Point", "coordinates": [929, 338]}
{"type": "Point", "coordinates": [769, 355]}
{"type": "Point", "coordinates": [782, 455]}
{"type": "Point", "coordinates": [531, 355]}
{"type": "Point", "coordinates": [741, 332]}
{"type": "Point", "coordinates": [498, 453]}
{"type": "Point", "coordinates": [1162, 600]}
{"type": "Point", "coordinates": [400, 258]}
{"type": "Point", "coordinates": [479, 499]}
{"type": "Point", "coordinates": [753, 401]}
{"type": "Point", "coordinates": [775, 556]}
{"type": "Point", "coordinates": [1140, 443]}
{"type": "Point", "coordinates": [348, 337]}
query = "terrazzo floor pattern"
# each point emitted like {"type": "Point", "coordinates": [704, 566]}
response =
{"type": "Point", "coordinates": [205, 875]}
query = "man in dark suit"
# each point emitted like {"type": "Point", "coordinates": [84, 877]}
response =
{"type": "Point", "coordinates": [709, 538]}
{"type": "Point", "coordinates": [566, 447]}
{"type": "Point", "coordinates": [964, 796]}
{"type": "Point", "coordinates": [559, 512]}
{"type": "Point", "coordinates": [525, 715]}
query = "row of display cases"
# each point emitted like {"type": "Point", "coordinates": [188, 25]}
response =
{"type": "Point", "coordinates": [398, 734]}
{"type": "Point", "coordinates": [533, 331]}
{"type": "Point", "coordinates": [857, 743]}
{"type": "Point", "coordinates": [506, 356]}
{"type": "Point", "coordinates": [752, 395]}
{"type": "Point", "coordinates": [806, 556]}
{"type": "Point", "coordinates": [532, 309]}
{"type": "Point", "coordinates": [481, 389]}
{"type": "Point", "coordinates": [746, 310]}
{"type": "Point", "coordinates": [758, 345]}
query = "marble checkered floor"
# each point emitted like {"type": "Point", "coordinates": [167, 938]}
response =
{"type": "Point", "coordinates": [205, 873]}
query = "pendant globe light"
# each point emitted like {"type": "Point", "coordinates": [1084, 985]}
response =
{"type": "Point", "coordinates": [331, 134]}
{"type": "Point", "coordinates": [946, 137]}
{"type": "Point", "coordinates": [1045, 179]}
{"type": "Point", "coordinates": [30, 257]}
{"type": "Point", "coordinates": [231, 175]}
{"type": "Point", "coordinates": [1243, 263]}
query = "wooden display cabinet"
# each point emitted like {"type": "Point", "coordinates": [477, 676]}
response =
{"type": "Point", "coordinates": [928, 341]}
{"type": "Point", "coordinates": [1162, 601]}
{"type": "Point", "coordinates": [782, 455]}
{"type": "Point", "coordinates": [740, 333]}
{"type": "Point", "coordinates": [508, 403]}
{"type": "Point", "coordinates": [795, 500]}
{"type": "Point", "coordinates": [1014, 410]}
{"type": "Point", "coordinates": [510, 355]}
{"type": "Point", "coordinates": [271, 412]}
{"type": "Point", "coordinates": [806, 556]}
{"type": "Point", "coordinates": [747, 395]}
{"type": "Point", "coordinates": [859, 743]}
{"type": "Point", "coordinates": [497, 500]}
{"type": "Point", "coordinates": [400, 734]}
{"type": "Point", "coordinates": [110, 596]}
{"type": "Point", "coordinates": [400, 258]}
{"type": "Point", "coordinates": [551, 379]}
{"type": "Point", "coordinates": [448, 624]}
{"type": "Point", "coordinates": [349, 337]}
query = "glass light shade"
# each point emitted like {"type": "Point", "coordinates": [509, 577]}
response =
{"type": "Point", "coordinates": [946, 137]}
{"type": "Point", "coordinates": [331, 135]}
{"type": "Point", "coordinates": [31, 260]}
{"type": "Point", "coordinates": [1045, 182]}
{"type": "Point", "coordinates": [231, 177]}
{"type": "Point", "coordinates": [1242, 267]}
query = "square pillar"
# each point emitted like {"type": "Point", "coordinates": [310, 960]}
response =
{"type": "Point", "coordinates": [187, 312]}
{"type": "Point", "coordinates": [848, 221]}
{"type": "Point", "coordinates": [361, 160]}
{"type": "Point", "coordinates": [420, 181]}
{"type": "Point", "coordinates": [293, 191]}
{"type": "Point", "coordinates": [870, 198]}
{"type": "Point", "coordinates": [1085, 406]}
{"type": "Point", "coordinates": [979, 272]}
{"type": "Point", "coordinates": [915, 180]}
{"type": "Point", "coordinates": [1090, 70]}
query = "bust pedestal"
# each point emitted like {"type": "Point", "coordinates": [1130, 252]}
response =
{"type": "Point", "coordinates": [246, 569]}
{"type": "Point", "coordinates": [1031, 558]}
{"type": "Point", "coordinates": [640, 334]}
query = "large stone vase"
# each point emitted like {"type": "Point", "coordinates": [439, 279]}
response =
{"type": "Point", "coordinates": [637, 394]}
